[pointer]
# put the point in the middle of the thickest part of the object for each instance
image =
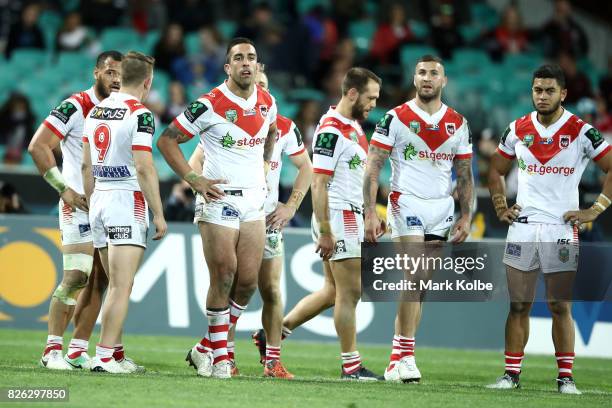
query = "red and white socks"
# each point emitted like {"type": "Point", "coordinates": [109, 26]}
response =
{"type": "Point", "coordinates": [565, 362]}
{"type": "Point", "coordinates": [77, 347]}
{"type": "Point", "coordinates": [272, 353]}
{"type": "Point", "coordinates": [53, 343]}
{"type": "Point", "coordinates": [119, 353]}
{"type": "Point", "coordinates": [401, 347]}
{"type": "Point", "coordinates": [514, 361]}
{"type": "Point", "coordinates": [205, 346]}
{"type": "Point", "coordinates": [235, 312]}
{"type": "Point", "coordinates": [351, 362]}
{"type": "Point", "coordinates": [218, 326]}
{"type": "Point", "coordinates": [105, 354]}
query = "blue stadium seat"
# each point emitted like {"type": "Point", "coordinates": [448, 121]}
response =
{"type": "Point", "coordinates": [362, 32]}
{"type": "Point", "coordinates": [469, 59]}
{"type": "Point", "coordinates": [120, 39]}
{"type": "Point", "coordinates": [409, 54]}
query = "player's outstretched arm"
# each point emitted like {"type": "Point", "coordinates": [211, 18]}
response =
{"type": "Point", "coordinates": [41, 149]}
{"type": "Point", "coordinates": [376, 161]}
{"type": "Point", "coordinates": [149, 184]}
{"type": "Point", "coordinates": [168, 146]}
{"type": "Point", "coordinates": [465, 190]}
{"type": "Point", "coordinates": [320, 206]}
{"type": "Point", "coordinates": [283, 213]}
{"type": "Point", "coordinates": [86, 172]}
{"type": "Point", "coordinates": [498, 168]}
{"type": "Point", "coordinates": [603, 201]}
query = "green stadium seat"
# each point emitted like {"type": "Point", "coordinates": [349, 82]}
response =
{"type": "Point", "coordinates": [302, 94]}
{"type": "Point", "coordinates": [25, 61]}
{"type": "Point", "coordinates": [120, 39]}
{"type": "Point", "coordinates": [49, 22]}
{"type": "Point", "coordinates": [362, 32]}
{"type": "Point", "coordinates": [470, 33]}
{"type": "Point", "coordinates": [522, 62]}
{"type": "Point", "coordinates": [150, 40]}
{"type": "Point", "coordinates": [468, 59]}
{"type": "Point", "coordinates": [227, 28]}
{"type": "Point", "coordinates": [420, 29]}
{"type": "Point", "coordinates": [409, 54]}
{"type": "Point", "coordinates": [192, 43]}
{"type": "Point", "coordinates": [304, 6]}
{"type": "Point", "coordinates": [484, 15]}
{"type": "Point", "coordinates": [288, 109]}
{"type": "Point", "coordinates": [74, 65]}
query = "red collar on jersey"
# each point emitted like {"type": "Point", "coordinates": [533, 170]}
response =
{"type": "Point", "coordinates": [433, 136]}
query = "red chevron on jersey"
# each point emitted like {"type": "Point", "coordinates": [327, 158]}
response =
{"type": "Point", "coordinates": [250, 120]}
{"type": "Point", "coordinates": [85, 101]}
{"type": "Point", "coordinates": [283, 124]}
{"type": "Point", "coordinates": [542, 148]}
{"type": "Point", "coordinates": [346, 130]}
{"type": "Point", "coordinates": [433, 136]}
{"type": "Point", "coordinates": [134, 105]}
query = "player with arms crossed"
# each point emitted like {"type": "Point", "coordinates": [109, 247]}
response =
{"type": "Point", "coordinates": [121, 182]}
{"type": "Point", "coordinates": [64, 127]}
{"type": "Point", "coordinates": [289, 142]}
{"type": "Point", "coordinates": [553, 147]}
{"type": "Point", "coordinates": [424, 139]}
{"type": "Point", "coordinates": [236, 123]}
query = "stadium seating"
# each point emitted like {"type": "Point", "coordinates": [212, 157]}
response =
{"type": "Point", "coordinates": [120, 39]}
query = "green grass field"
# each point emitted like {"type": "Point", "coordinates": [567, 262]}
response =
{"type": "Point", "coordinates": [450, 378]}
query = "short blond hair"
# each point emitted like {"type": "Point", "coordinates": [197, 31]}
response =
{"type": "Point", "coordinates": [136, 67]}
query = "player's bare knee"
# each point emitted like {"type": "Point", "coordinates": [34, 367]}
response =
{"type": "Point", "coordinates": [559, 309]}
{"type": "Point", "coordinates": [520, 308]}
{"type": "Point", "coordinates": [270, 293]}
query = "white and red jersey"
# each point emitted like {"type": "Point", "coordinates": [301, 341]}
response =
{"type": "Point", "coordinates": [340, 149]}
{"type": "Point", "coordinates": [423, 148]}
{"type": "Point", "coordinates": [113, 129]}
{"type": "Point", "coordinates": [66, 121]}
{"type": "Point", "coordinates": [289, 142]}
{"type": "Point", "coordinates": [550, 161]}
{"type": "Point", "coordinates": [233, 132]}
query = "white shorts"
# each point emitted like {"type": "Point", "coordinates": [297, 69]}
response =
{"type": "Point", "coordinates": [238, 205]}
{"type": "Point", "coordinates": [411, 216]}
{"type": "Point", "coordinates": [119, 217]}
{"type": "Point", "coordinates": [74, 226]}
{"type": "Point", "coordinates": [550, 247]}
{"type": "Point", "coordinates": [347, 227]}
{"type": "Point", "coordinates": [274, 244]}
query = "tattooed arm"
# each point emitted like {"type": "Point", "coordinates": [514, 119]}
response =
{"type": "Point", "coordinates": [168, 145]}
{"type": "Point", "coordinates": [376, 161]}
{"type": "Point", "coordinates": [465, 191]}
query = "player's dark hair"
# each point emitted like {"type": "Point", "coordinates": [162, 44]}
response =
{"type": "Point", "coordinates": [553, 71]}
{"type": "Point", "coordinates": [236, 41]}
{"type": "Point", "coordinates": [429, 58]}
{"type": "Point", "coordinates": [358, 78]}
{"type": "Point", "coordinates": [135, 68]}
{"type": "Point", "coordinates": [114, 55]}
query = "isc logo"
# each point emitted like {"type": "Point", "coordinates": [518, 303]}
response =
{"type": "Point", "coordinates": [564, 241]}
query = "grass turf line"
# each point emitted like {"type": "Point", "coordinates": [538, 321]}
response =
{"type": "Point", "coordinates": [450, 377]}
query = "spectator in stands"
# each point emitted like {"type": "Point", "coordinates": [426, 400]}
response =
{"type": "Point", "coordinates": [563, 34]}
{"type": "Point", "coordinates": [25, 33]}
{"type": "Point", "coordinates": [605, 85]}
{"type": "Point", "coordinates": [74, 36]}
{"type": "Point", "coordinates": [390, 35]}
{"type": "Point", "coordinates": [16, 127]}
{"type": "Point", "coordinates": [177, 101]}
{"type": "Point", "coordinates": [445, 34]}
{"type": "Point", "coordinates": [101, 14]}
{"type": "Point", "coordinates": [205, 67]}
{"type": "Point", "coordinates": [323, 32]}
{"type": "Point", "coordinates": [510, 37]}
{"type": "Point", "coordinates": [169, 48]}
{"type": "Point", "coordinates": [180, 205]}
{"type": "Point", "coordinates": [307, 119]}
{"type": "Point", "coordinates": [10, 202]}
{"type": "Point", "coordinates": [193, 14]}
{"type": "Point", "coordinates": [255, 23]}
{"type": "Point", "coordinates": [577, 83]}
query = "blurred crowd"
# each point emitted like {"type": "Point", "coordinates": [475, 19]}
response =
{"type": "Point", "coordinates": [307, 46]}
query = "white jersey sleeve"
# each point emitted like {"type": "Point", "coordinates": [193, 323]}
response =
{"type": "Point", "coordinates": [592, 142]}
{"type": "Point", "coordinates": [294, 144]}
{"type": "Point", "coordinates": [64, 117]}
{"type": "Point", "coordinates": [143, 129]}
{"type": "Point", "coordinates": [327, 147]}
{"type": "Point", "coordinates": [508, 142]}
{"type": "Point", "coordinates": [464, 148]}
{"type": "Point", "coordinates": [385, 133]}
{"type": "Point", "coordinates": [273, 111]}
{"type": "Point", "coordinates": [196, 118]}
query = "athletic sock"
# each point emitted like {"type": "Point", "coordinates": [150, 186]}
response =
{"type": "Point", "coordinates": [230, 350]}
{"type": "Point", "coordinates": [272, 353]}
{"type": "Point", "coordinates": [204, 345]}
{"type": "Point", "coordinates": [514, 362]}
{"type": "Point", "coordinates": [406, 345]}
{"type": "Point", "coordinates": [53, 343]}
{"type": "Point", "coordinates": [351, 362]}
{"type": "Point", "coordinates": [395, 353]}
{"type": "Point", "coordinates": [235, 312]}
{"type": "Point", "coordinates": [218, 326]}
{"type": "Point", "coordinates": [285, 333]}
{"type": "Point", "coordinates": [77, 347]}
{"type": "Point", "coordinates": [119, 353]}
{"type": "Point", "coordinates": [105, 354]}
{"type": "Point", "coordinates": [565, 362]}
